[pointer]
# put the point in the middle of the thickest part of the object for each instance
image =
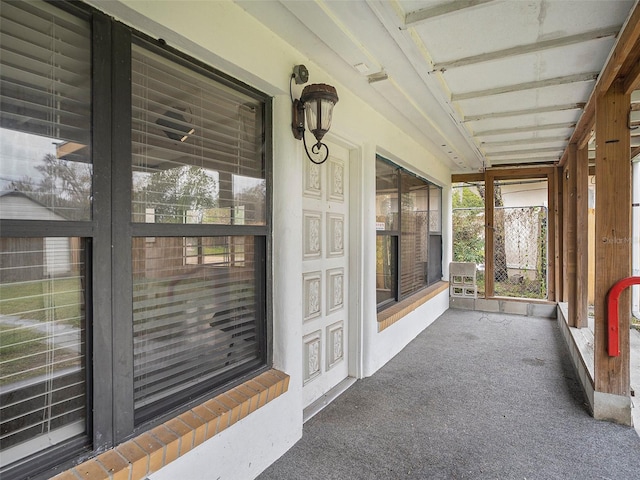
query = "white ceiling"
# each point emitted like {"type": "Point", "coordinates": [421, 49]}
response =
{"type": "Point", "coordinates": [481, 82]}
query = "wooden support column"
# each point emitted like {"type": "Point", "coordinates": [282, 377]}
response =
{"type": "Point", "coordinates": [613, 246]}
{"type": "Point", "coordinates": [562, 292]}
{"type": "Point", "coordinates": [553, 242]}
{"type": "Point", "coordinates": [582, 238]}
{"type": "Point", "coordinates": [489, 204]}
{"type": "Point", "coordinates": [571, 232]}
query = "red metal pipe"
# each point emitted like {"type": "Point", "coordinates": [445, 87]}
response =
{"type": "Point", "coordinates": [612, 313]}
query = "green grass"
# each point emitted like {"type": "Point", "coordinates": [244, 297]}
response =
{"type": "Point", "coordinates": [527, 289]}
{"type": "Point", "coordinates": [24, 355]}
{"type": "Point", "coordinates": [43, 300]}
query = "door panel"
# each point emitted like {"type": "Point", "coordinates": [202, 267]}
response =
{"type": "Point", "coordinates": [325, 274]}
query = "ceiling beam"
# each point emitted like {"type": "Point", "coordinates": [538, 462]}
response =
{"type": "Point", "coordinates": [525, 141]}
{"type": "Point", "coordinates": [581, 77]}
{"type": "Point", "coordinates": [530, 128]}
{"type": "Point", "coordinates": [525, 152]}
{"type": "Point", "coordinates": [529, 111]}
{"type": "Point", "coordinates": [530, 48]}
{"type": "Point", "coordinates": [523, 160]}
{"type": "Point", "coordinates": [418, 16]}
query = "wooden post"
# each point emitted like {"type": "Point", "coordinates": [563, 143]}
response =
{"type": "Point", "coordinates": [571, 233]}
{"type": "Point", "coordinates": [613, 233]}
{"type": "Point", "coordinates": [553, 242]}
{"type": "Point", "coordinates": [563, 199]}
{"type": "Point", "coordinates": [582, 238]}
{"type": "Point", "coordinates": [489, 263]}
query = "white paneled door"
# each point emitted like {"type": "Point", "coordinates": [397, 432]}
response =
{"type": "Point", "coordinates": [325, 276]}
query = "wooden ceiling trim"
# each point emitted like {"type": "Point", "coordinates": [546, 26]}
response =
{"type": "Point", "coordinates": [624, 56]}
{"type": "Point", "coordinates": [632, 78]}
{"type": "Point", "coordinates": [467, 177]}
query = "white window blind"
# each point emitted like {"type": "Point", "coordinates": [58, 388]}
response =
{"type": "Point", "coordinates": [42, 344]}
{"type": "Point", "coordinates": [197, 147]}
{"type": "Point", "coordinates": [196, 313]}
{"type": "Point", "coordinates": [198, 302]}
{"type": "Point", "coordinates": [45, 108]}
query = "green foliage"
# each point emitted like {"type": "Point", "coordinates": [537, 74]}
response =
{"type": "Point", "coordinates": [467, 199]}
{"type": "Point", "coordinates": [65, 187]}
{"type": "Point", "coordinates": [468, 226]}
{"type": "Point", "coordinates": [174, 192]}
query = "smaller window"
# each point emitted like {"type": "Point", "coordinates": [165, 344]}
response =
{"type": "Point", "coordinates": [409, 231]}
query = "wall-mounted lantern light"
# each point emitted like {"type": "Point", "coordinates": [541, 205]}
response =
{"type": "Point", "coordinates": [317, 101]}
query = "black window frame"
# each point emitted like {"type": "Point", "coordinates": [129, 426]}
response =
{"type": "Point", "coordinates": [107, 238]}
{"type": "Point", "coordinates": [433, 272]}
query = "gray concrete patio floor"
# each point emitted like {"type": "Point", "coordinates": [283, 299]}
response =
{"type": "Point", "coordinates": [476, 395]}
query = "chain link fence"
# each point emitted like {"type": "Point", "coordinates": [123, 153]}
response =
{"type": "Point", "coordinates": [520, 248]}
{"type": "Point", "coordinates": [520, 252]}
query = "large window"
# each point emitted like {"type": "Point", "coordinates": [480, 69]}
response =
{"type": "Point", "coordinates": [134, 213]}
{"type": "Point", "coordinates": [409, 233]}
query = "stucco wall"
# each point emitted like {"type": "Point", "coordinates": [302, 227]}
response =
{"type": "Point", "coordinates": [222, 35]}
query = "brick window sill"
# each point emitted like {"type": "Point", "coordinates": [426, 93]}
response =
{"type": "Point", "coordinates": [152, 450]}
{"type": "Point", "coordinates": [391, 315]}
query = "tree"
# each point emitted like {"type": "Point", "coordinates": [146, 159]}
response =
{"type": "Point", "coordinates": [468, 227]}
{"type": "Point", "coordinates": [174, 192]}
{"type": "Point", "coordinates": [254, 200]}
{"type": "Point", "coordinates": [500, 272]}
{"type": "Point", "coordinates": [64, 186]}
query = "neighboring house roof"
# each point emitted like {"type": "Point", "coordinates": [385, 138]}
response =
{"type": "Point", "coordinates": [16, 205]}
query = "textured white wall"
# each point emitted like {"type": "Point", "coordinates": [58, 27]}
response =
{"type": "Point", "coordinates": [222, 35]}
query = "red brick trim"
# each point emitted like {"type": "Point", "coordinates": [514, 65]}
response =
{"type": "Point", "coordinates": [391, 315]}
{"type": "Point", "coordinates": [150, 451]}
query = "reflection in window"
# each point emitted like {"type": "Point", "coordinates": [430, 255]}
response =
{"type": "Point", "coordinates": [386, 281]}
{"type": "Point", "coordinates": [197, 147]}
{"type": "Point", "coordinates": [408, 230]}
{"type": "Point", "coordinates": [386, 196]}
{"type": "Point", "coordinates": [42, 343]}
{"type": "Point", "coordinates": [45, 113]}
{"type": "Point", "coordinates": [414, 239]}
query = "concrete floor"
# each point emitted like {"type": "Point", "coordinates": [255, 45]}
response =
{"type": "Point", "coordinates": [474, 396]}
{"type": "Point", "coordinates": [634, 341]}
